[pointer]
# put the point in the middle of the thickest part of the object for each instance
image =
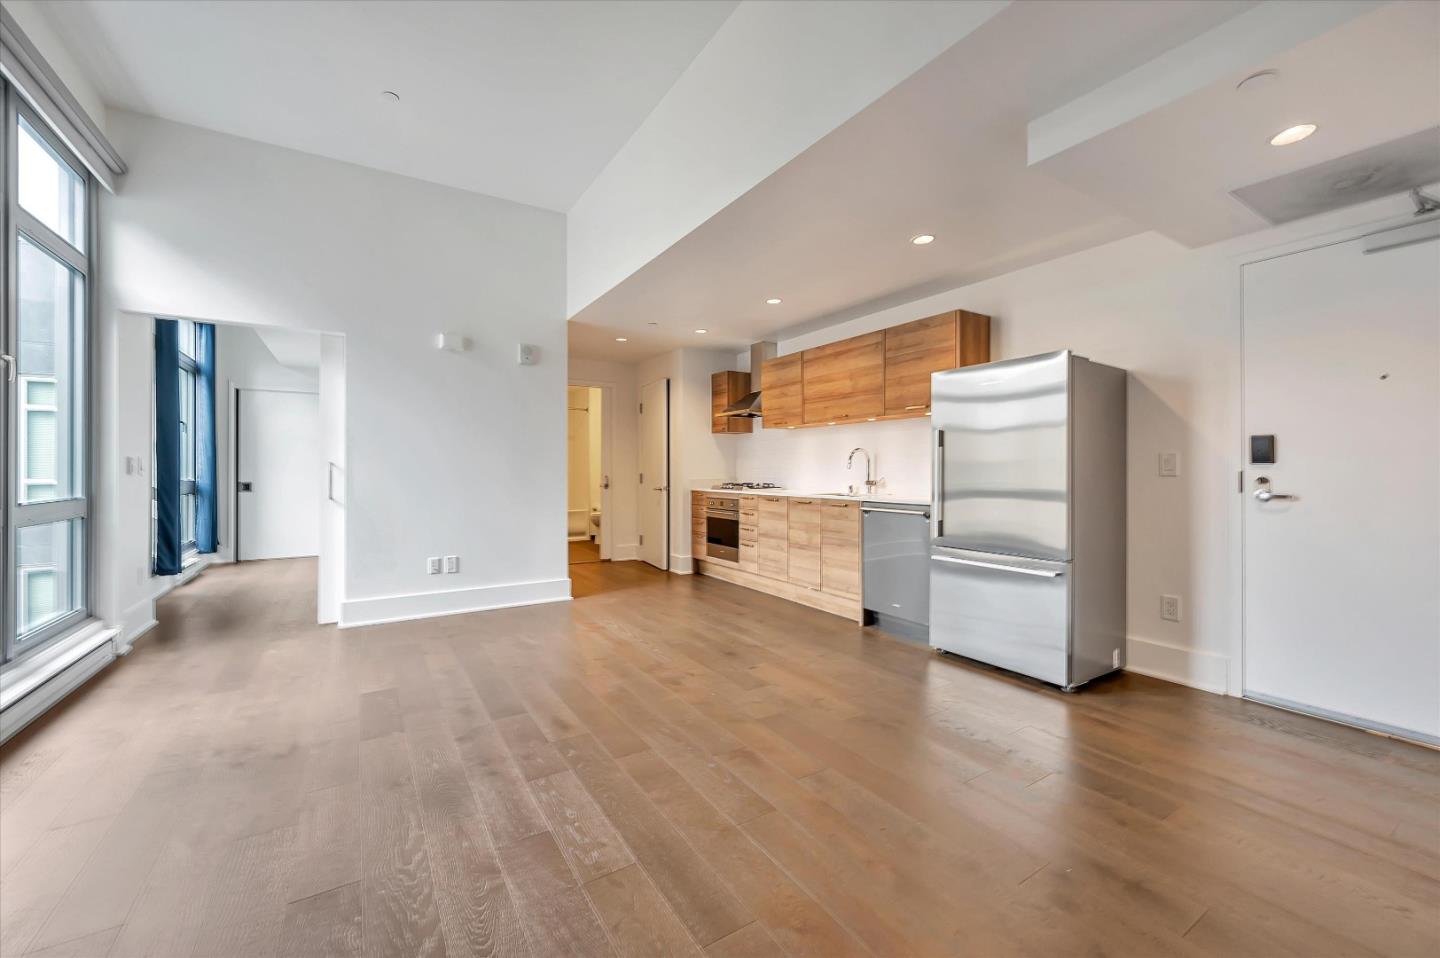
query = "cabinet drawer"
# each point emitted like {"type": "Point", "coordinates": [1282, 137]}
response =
{"type": "Point", "coordinates": [749, 557]}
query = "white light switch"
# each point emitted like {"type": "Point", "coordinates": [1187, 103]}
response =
{"type": "Point", "coordinates": [1169, 464]}
{"type": "Point", "coordinates": [529, 355]}
{"type": "Point", "coordinates": [452, 563]}
{"type": "Point", "coordinates": [129, 465]}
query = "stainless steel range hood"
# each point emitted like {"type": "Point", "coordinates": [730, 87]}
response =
{"type": "Point", "coordinates": [748, 406]}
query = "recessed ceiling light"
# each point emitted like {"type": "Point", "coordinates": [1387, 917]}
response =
{"type": "Point", "coordinates": [702, 331]}
{"type": "Point", "coordinates": [924, 239]}
{"type": "Point", "coordinates": [621, 339]}
{"type": "Point", "coordinates": [772, 301]}
{"type": "Point", "coordinates": [1293, 135]}
{"type": "Point", "coordinates": [390, 96]}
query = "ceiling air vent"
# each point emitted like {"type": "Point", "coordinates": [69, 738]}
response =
{"type": "Point", "coordinates": [1384, 170]}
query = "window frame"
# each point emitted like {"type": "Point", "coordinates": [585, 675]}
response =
{"type": "Point", "coordinates": [18, 222]}
{"type": "Point", "coordinates": [189, 491]}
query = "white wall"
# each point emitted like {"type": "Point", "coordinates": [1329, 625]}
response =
{"type": "Point", "coordinates": [624, 532]}
{"type": "Point", "coordinates": [447, 453]}
{"type": "Point", "coordinates": [775, 78]}
{"type": "Point", "coordinates": [1170, 316]}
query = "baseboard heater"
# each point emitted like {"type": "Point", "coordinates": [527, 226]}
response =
{"type": "Point", "coordinates": [38, 699]}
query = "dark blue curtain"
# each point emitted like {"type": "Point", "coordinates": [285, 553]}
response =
{"type": "Point", "coordinates": [207, 510]}
{"type": "Point", "coordinates": [168, 531]}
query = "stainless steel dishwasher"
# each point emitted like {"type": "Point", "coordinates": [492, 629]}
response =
{"type": "Point", "coordinates": [896, 588]}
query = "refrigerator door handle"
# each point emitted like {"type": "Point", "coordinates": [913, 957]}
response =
{"type": "Point", "coordinates": [937, 485]}
{"type": "Point", "coordinates": [1047, 573]}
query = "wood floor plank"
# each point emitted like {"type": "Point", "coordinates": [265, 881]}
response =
{"type": "Point", "coordinates": [752, 941]}
{"type": "Point", "coordinates": [107, 884]}
{"type": "Point", "coordinates": [500, 789]}
{"type": "Point", "coordinates": [327, 925]}
{"type": "Point", "coordinates": [585, 836]}
{"type": "Point", "coordinates": [327, 842]}
{"type": "Point", "coordinates": [495, 764]}
{"type": "Point", "coordinates": [704, 904]}
{"type": "Point", "coordinates": [559, 918]}
{"type": "Point", "coordinates": [477, 916]}
{"type": "Point", "coordinates": [638, 920]}
{"type": "Point", "coordinates": [397, 893]}
{"type": "Point", "coordinates": [793, 917]}
{"type": "Point", "coordinates": [533, 752]}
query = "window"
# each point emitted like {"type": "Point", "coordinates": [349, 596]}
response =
{"type": "Point", "coordinates": [189, 377]}
{"type": "Point", "coordinates": [44, 320]}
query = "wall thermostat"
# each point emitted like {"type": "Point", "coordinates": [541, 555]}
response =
{"type": "Point", "coordinates": [529, 355]}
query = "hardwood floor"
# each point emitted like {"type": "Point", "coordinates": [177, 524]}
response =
{"type": "Point", "coordinates": [677, 766]}
{"type": "Point", "coordinates": [586, 550]}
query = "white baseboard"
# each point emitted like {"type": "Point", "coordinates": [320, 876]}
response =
{"type": "Point", "coordinates": [135, 622]}
{"type": "Point", "coordinates": [625, 553]}
{"type": "Point", "coordinates": [1200, 670]}
{"type": "Point", "coordinates": [682, 565]}
{"type": "Point", "coordinates": [426, 605]}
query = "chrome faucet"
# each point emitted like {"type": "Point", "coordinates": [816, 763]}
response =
{"type": "Point", "coordinates": [870, 483]}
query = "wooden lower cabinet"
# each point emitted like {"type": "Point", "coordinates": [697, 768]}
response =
{"type": "Point", "coordinates": [840, 547]}
{"type": "Point", "coordinates": [697, 525]}
{"type": "Point", "coordinates": [806, 521]}
{"type": "Point", "coordinates": [804, 550]}
{"type": "Point", "coordinates": [774, 543]}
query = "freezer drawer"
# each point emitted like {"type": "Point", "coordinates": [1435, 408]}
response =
{"type": "Point", "coordinates": [897, 554]}
{"type": "Point", "coordinates": [1013, 613]}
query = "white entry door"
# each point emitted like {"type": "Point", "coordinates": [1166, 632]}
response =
{"type": "Point", "coordinates": [655, 473]}
{"type": "Point", "coordinates": [279, 475]}
{"type": "Point", "coordinates": [1342, 582]}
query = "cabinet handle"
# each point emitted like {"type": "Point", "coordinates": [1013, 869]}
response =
{"type": "Point", "coordinates": [920, 406]}
{"type": "Point", "coordinates": [804, 502]}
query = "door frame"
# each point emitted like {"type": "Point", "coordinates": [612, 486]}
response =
{"type": "Point", "coordinates": [607, 441]}
{"type": "Point", "coordinates": [639, 449]}
{"type": "Point", "coordinates": [1319, 240]}
{"type": "Point", "coordinates": [234, 478]}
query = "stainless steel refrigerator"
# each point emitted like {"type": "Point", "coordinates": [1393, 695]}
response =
{"type": "Point", "coordinates": [1027, 548]}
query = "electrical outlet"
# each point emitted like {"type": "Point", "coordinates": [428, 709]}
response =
{"type": "Point", "coordinates": [432, 565]}
{"type": "Point", "coordinates": [1169, 464]}
{"type": "Point", "coordinates": [1170, 608]}
{"type": "Point", "coordinates": [452, 563]}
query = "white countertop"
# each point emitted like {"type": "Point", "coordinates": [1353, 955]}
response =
{"type": "Point", "coordinates": [803, 494]}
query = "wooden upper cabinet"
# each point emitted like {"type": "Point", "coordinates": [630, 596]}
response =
{"type": "Point", "coordinates": [781, 391]}
{"type": "Point", "coordinates": [726, 388]}
{"type": "Point", "coordinates": [845, 381]}
{"type": "Point", "coordinates": [915, 350]}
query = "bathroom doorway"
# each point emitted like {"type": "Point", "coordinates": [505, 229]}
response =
{"type": "Point", "coordinates": [588, 479]}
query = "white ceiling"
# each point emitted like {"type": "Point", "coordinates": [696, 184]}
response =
{"type": "Point", "coordinates": [942, 153]}
{"type": "Point", "coordinates": [1367, 81]}
{"type": "Point", "coordinates": [521, 100]}
{"type": "Point", "coordinates": [296, 348]}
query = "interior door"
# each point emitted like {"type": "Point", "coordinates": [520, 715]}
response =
{"type": "Point", "coordinates": [1342, 582]}
{"type": "Point", "coordinates": [654, 477]}
{"type": "Point", "coordinates": [280, 475]}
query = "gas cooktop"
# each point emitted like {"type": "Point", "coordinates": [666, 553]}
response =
{"type": "Point", "coordinates": [749, 485]}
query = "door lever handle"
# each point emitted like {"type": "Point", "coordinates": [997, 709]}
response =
{"type": "Point", "coordinates": [1263, 493]}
